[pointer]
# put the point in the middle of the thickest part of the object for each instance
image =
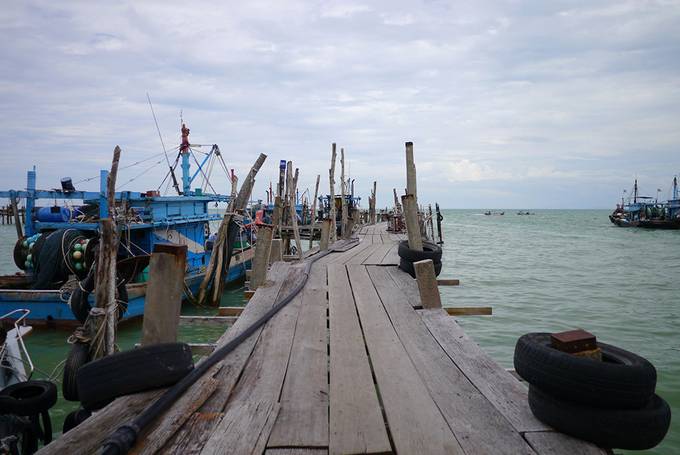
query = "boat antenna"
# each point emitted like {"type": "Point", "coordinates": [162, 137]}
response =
{"type": "Point", "coordinates": [172, 171]}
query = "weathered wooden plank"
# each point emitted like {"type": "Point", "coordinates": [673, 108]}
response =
{"type": "Point", "coordinates": [367, 238]}
{"type": "Point", "coordinates": [392, 256]}
{"type": "Point", "coordinates": [427, 284]}
{"type": "Point", "coordinates": [296, 451]}
{"type": "Point", "coordinates": [152, 440]}
{"type": "Point", "coordinates": [552, 443]}
{"type": "Point", "coordinates": [469, 310]}
{"type": "Point", "coordinates": [362, 255]}
{"type": "Point", "coordinates": [230, 310]}
{"type": "Point", "coordinates": [378, 254]}
{"type": "Point", "coordinates": [215, 321]}
{"type": "Point", "coordinates": [448, 282]}
{"type": "Point", "coordinates": [477, 425]}
{"type": "Point", "coordinates": [259, 387]}
{"type": "Point", "coordinates": [356, 423]}
{"type": "Point", "coordinates": [497, 385]}
{"type": "Point", "coordinates": [191, 437]}
{"type": "Point", "coordinates": [343, 257]}
{"type": "Point", "coordinates": [303, 418]}
{"type": "Point", "coordinates": [415, 423]}
{"type": "Point", "coordinates": [408, 285]}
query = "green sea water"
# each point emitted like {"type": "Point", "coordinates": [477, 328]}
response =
{"type": "Point", "coordinates": [552, 271]}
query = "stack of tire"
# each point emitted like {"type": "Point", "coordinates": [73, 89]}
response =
{"type": "Point", "coordinates": [23, 405]}
{"type": "Point", "coordinates": [97, 383]}
{"type": "Point", "coordinates": [407, 257]}
{"type": "Point", "coordinates": [611, 403]}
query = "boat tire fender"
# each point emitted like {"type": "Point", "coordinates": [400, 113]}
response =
{"type": "Point", "coordinates": [137, 370]}
{"type": "Point", "coordinates": [633, 429]}
{"type": "Point", "coordinates": [75, 418]}
{"type": "Point", "coordinates": [28, 398]}
{"type": "Point", "coordinates": [430, 251]}
{"type": "Point", "coordinates": [621, 380]}
{"type": "Point", "coordinates": [78, 356]}
{"type": "Point", "coordinates": [79, 300]}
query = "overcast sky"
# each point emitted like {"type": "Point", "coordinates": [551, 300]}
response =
{"type": "Point", "coordinates": [545, 104]}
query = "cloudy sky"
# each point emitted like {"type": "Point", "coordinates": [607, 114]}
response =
{"type": "Point", "coordinates": [509, 104]}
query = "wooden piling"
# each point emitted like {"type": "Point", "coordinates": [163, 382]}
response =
{"type": "Point", "coordinates": [326, 228]}
{"type": "Point", "coordinates": [415, 240]}
{"type": "Point", "coordinates": [313, 217]}
{"type": "Point", "coordinates": [261, 258]}
{"type": "Point", "coordinates": [292, 185]}
{"type": "Point", "coordinates": [17, 219]}
{"type": "Point", "coordinates": [331, 202]}
{"type": "Point", "coordinates": [105, 290]}
{"type": "Point", "coordinates": [427, 284]}
{"type": "Point", "coordinates": [411, 185]}
{"type": "Point", "coordinates": [164, 294]}
{"type": "Point", "coordinates": [276, 251]}
{"type": "Point", "coordinates": [343, 192]}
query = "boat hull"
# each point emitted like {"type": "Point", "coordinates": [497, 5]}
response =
{"type": "Point", "coordinates": [50, 308]}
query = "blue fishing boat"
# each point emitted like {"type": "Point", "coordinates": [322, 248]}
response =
{"type": "Point", "coordinates": [57, 249]}
{"type": "Point", "coordinates": [647, 212]}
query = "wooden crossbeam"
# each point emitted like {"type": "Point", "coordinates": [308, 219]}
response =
{"type": "Point", "coordinates": [469, 311]}
{"type": "Point", "coordinates": [230, 310]}
{"type": "Point", "coordinates": [447, 282]}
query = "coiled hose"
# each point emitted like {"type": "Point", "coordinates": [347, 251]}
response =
{"type": "Point", "coordinates": [125, 436]}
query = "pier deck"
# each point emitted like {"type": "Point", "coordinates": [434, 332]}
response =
{"type": "Point", "coordinates": [352, 365]}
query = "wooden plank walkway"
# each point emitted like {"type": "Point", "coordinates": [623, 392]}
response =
{"type": "Point", "coordinates": [352, 365]}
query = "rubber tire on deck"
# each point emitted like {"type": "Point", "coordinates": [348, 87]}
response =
{"type": "Point", "coordinates": [137, 370]}
{"type": "Point", "coordinates": [28, 398]}
{"type": "Point", "coordinates": [407, 267]}
{"type": "Point", "coordinates": [633, 429]}
{"type": "Point", "coordinates": [621, 380]}
{"type": "Point", "coordinates": [78, 356]}
{"type": "Point", "coordinates": [75, 418]}
{"type": "Point", "coordinates": [430, 251]}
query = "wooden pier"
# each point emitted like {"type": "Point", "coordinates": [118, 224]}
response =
{"type": "Point", "coordinates": [352, 365]}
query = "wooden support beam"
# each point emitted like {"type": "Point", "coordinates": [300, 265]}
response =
{"type": "Point", "coordinates": [313, 220]}
{"type": "Point", "coordinates": [276, 251]}
{"type": "Point", "coordinates": [230, 310]}
{"type": "Point", "coordinates": [248, 294]}
{"type": "Point", "coordinates": [164, 293]}
{"type": "Point", "coordinates": [427, 284]}
{"type": "Point", "coordinates": [448, 282]}
{"type": "Point", "coordinates": [216, 321]}
{"type": "Point", "coordinates": [326, 227]}
{"type": "Point", "coordinates": [331, 201]}
{"type": "Point", "coordinates": [343, 192]}
{"type": "Point", "coordinates": [261, 258]}
{"type": "Point", "coordinates": [469, 311]}
{"type": "Point", "coordinates": [415, 240]}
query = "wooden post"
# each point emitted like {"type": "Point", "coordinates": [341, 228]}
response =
{"type": "Point", "coordinates": [374, 200]}
{"type": "Point", "coordinates": [105, 291]}
{"type": "Point", "coordinates": [325, 234]}
{"type": "Point", "coordinates": [397, 206]}
{"type": "Point", "coordinates": [343, 192]}
{"type": "Point", "coordinates": [276, 251]}
{"type": "Point", "coordinates": [313, 218]}
{"type": "Point", "coordinates": [164, 294]}
{"type": "Point", "coordinates": [17, 219]}
{"type": "Point", "coordinates": [292, 185]}
{"type": "Point", "coordinates": [331, 201]}
{"type": "Point", "coordinates": [218, 261]}
{"type": "Point", "coordinates": [439, 223]}
{"type": "Point", "coordinates": [415, 240]}
{"type": "Point", "coordinates": [427, 284]}
{"type": "Point", "coordinates": [261, 258]}
{"type": "Point", "coordinates": [411, 172]}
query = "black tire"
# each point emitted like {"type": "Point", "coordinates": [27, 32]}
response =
{"type": "Point", "coordinates": [633, 429]}
{"type": "Point", "coordinates": [150, 367]}
{"type": "Point", "coordinates": [78, 356]}
{"type": "Point", "coordinates": [80, 305]}
{"type": "Point", "coordinates": [430, 251]}
{"type": "Point", "coordinates": [407, 267]}
{"type": "Point", "coordinates": [28, 398]}
{"type": "Point", "coordinates": [621, 380]}
{"type": "Point", "coordinates": [75, 418]}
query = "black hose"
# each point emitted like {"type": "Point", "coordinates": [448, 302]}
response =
{"type": "Point", "coordinates": [122, 440]}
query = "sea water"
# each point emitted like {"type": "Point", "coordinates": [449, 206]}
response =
{"type": "Point", "coordinates": [552, 271]}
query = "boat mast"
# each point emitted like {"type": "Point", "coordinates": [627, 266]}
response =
{"type": "Point", "coordinates": [184, 151]}
{"type": "Point", "coordinates": [675, 188]}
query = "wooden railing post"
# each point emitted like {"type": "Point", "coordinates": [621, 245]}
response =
{"type": "Point", "coordinates": [427, 284]}
{"type": "Point", "coordinates": [164, 293]}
